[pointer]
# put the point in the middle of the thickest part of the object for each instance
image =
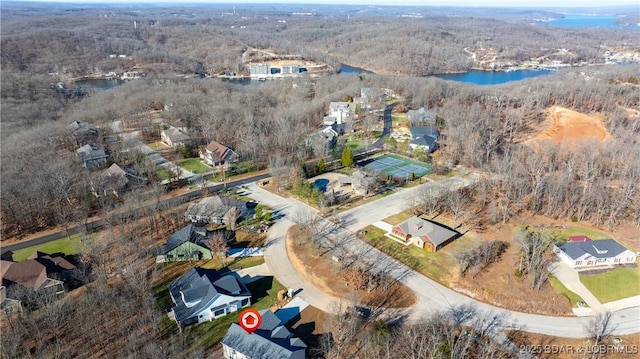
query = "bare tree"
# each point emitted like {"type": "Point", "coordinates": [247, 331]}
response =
{"type": "Point", "coordinates": [600, 327]}
{"type": "Point", "coordinates": [219, 247]}
{"type": "Point", "coordinates": [533, 260]}
{"type": "Point", "coordinates": [232, 218]}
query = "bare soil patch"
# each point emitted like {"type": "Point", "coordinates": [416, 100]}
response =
{"type": "Point", "coordinates": [565, 126]}
{"type": "Point", "coordinates": [326, 274]}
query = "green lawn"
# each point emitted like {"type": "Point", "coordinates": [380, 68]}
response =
{"type": "Point", "coordinates": [204, 336]}
{"type": "Point", "coordinates": [560, 288]}
{"type": "Point", "coordinates": [564, 233]}
{"type": "Point", "coordinates": [66, 245]}
{"type": "Point", "coordinates": [398, 217]}
{"type": "Point", "coordinates": [439, 266]}
{"type": "Point", "coordinates": [193, 165]}
{"type": "Point", "coordinates": [613, 285]}
{"type": "Point", "coordinates": [163, 173]}
{"type": "Point", "coordinates": [399, 117]}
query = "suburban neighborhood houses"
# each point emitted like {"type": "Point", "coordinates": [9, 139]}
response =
{"type": "Point", "coordinates": [220, 247]}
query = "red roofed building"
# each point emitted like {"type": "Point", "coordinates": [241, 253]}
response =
{"type": "Point", "coordinates": [578, 238]}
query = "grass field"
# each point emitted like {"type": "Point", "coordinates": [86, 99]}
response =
{"type": "Point", "coordinates": [560, 288]}
{"type": "Point", "coordinates": [163, 173]}
{"type": "Point", "coordinates": [399, 117]}
{"type": "Point", "coordinates": [613, 285]}
{"type": "Point", "coordinates": [439, 266]}
{"type": "Point", "coordinates": [66, 245]}
{"type": "Point", "coordinates": [398, 217]}
{"type": "Point", "coordinates": [564, 233]}
{"type": "Point", "coordinates": [193, 165]}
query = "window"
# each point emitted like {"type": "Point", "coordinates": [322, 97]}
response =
{"type": "Point", "coordinates": [218, 312]}
{"type": "Point", "coordinates": [244, 302]}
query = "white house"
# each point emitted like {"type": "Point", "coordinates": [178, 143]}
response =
{"type": "Point", "coordinates": [594, 253]}
{"type": "Point", "coordinates": [342, 111]}
{"type": "Point", "coordinates": [204, 295]}
{"type": "Point", "coordinates": [424, 138]}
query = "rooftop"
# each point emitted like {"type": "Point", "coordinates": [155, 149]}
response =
{"type": "Point", "coordinates": [604, 248]}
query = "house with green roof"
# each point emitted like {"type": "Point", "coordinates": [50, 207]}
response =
{"type": "Point", "coordinates": [189, 243]}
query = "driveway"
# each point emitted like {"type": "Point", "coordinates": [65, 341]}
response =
{"type": "Point", "coordinates": [570, 278]}
{"type": "Point", "coordinates": [431, 295]}
{"type": "Point", "coordinates": [131, 139]}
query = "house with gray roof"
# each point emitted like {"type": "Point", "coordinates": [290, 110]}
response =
{"type": "Point", "coordinates": [174, 137]}
{"type": "Point", "coordinates": [424, 234]}
{"type": "Point", "coordinates": [604, 252]}
{"type": "Point", "coordinates": [116, 180]}
{"type": "Point", "coordinates": [204, 295]}
{"type": "Point", "coordinates": [216, 210]}
{"type": "Point", "coordinates": [92, 156]}
{"type": "Point", "coordinates": [83, 132]}
{"type": "Point", "coordinates": [424, 138]}
{"type": "Point", "coordinates": [271, 340]}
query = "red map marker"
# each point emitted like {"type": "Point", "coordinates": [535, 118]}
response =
{"type": "Point", "coordinates": [250, 320]}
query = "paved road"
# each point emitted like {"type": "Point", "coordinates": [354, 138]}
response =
{"type": "Point", "coordinates": [431, 295]}
{"type": "Point", "coordinates": [165, 203]}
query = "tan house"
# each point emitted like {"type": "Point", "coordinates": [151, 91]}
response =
{"type": "Point", "coordinates": [424, 234]}
{"type": "Point", "coordinates": [217, 154]}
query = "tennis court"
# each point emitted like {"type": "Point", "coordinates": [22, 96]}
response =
{"type": "Point", "coordinates": [397, 166]}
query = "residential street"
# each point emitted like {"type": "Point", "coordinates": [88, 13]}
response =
{"type": "Point", "coordinates": [431, 295]}
{"type": "Point", "coordinates": [131, 138]}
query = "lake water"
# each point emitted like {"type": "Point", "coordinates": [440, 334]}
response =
{"type": "Point", "coordinates": [571, 20]}
{"type": "Point", "coordinates": [493, 78]}
{"type": "Point", "coordinates": [350, 70]}
{"type": "Point", "coordinates": [475, 77]}
{"type": "Point", "coordinates": [98, 84]}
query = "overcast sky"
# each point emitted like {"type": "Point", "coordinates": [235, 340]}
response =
{"type": "Point", "coordinates": [493, 3]}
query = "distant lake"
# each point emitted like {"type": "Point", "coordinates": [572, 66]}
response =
{"type": "Point", "coordinates": [350, 70]}
{"type": "Point", "coordinates": [493, 78]}
{"type": "Point", "coordinates": [99, 84]}
{"type": "Point", "coordinates": [589, 21]}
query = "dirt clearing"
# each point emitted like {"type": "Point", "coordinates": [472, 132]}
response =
{"type": "Point", "coordinates": [565, 126]}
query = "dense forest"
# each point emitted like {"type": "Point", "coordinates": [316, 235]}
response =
{"type": "Point", "coordinates": [44, 185]}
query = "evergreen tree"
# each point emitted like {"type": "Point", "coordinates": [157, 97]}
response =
{"type": "Point", "coordinates": [347, 157]}
{"type": "Point", "coordinates": [320, 167]}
